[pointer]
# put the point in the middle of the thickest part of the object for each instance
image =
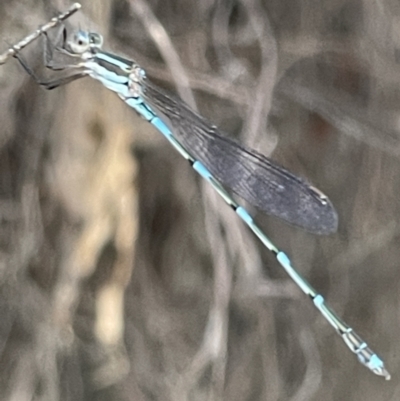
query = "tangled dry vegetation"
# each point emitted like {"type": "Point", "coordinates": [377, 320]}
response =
{"type": "Point", "coordinates": [124, 278]}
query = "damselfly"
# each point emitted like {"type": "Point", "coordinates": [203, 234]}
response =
{"type": "Point", "coordinates": [222, 162]}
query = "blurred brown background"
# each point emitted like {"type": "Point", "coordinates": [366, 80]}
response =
{"type": "Point", "coordinates": [122, 277]}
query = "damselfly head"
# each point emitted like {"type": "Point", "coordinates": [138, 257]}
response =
{"type": "Point", "coordinates": [82, 41]}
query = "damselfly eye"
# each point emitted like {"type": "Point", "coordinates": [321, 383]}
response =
{"type": "Point", "coordinates": [95, 40]}
{"type": "Point", "coordinates": [80, 42]}
{"type": "Point", "coordinates": [83, 41]}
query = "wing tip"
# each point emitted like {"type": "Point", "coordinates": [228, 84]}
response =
{"type": "Point", "coordinates": [327, 223]}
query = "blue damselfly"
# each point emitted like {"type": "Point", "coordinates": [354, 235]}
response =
{"type": "Point", "coordinates": [224, 163]}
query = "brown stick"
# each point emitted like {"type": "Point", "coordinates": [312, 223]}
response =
{"type": "Point", "coordinates": [30, 38]}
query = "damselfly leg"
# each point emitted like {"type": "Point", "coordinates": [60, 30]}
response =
{"type": "Point", "coordinates": [49, 84]}
{"type": "Point", "coordinates": [50, 49]}
{"type": "Point", "coordinates": [14, 49]}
